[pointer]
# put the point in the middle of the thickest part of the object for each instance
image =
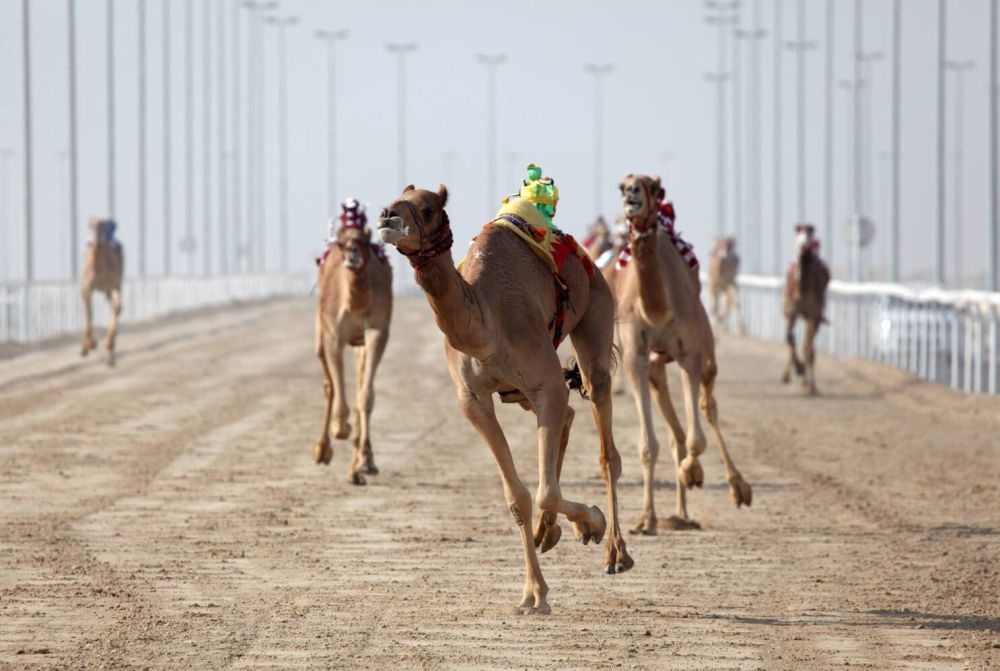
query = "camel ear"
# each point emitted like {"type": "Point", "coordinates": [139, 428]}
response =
{"type": "Point", "coordinates": [409, 187]}
{"type": "Point", "coordinates": [657, 187]}
{"type": "Point", "coordinates": [443, 194]}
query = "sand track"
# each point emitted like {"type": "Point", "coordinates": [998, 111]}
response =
{"type": "Point", "coordinates": [167, 514]}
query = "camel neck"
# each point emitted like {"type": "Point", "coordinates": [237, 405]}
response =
{"type": "Point", "coordinates": [652, 283]}
{"type": "Point", "coordinates": [457, 308]}
{"type": "Point", "coordinates": [359, 290]}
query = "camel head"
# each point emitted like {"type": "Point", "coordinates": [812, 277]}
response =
{"type": "Point", "coordinates": [641, 195]}
{"type": "Point", "coordinates": [417, 224]}
{"type": "Point", "coordinates": [804, 234]}
{"type": "Point", "coordinates": [102, 230]}
{"type": "Point", "coordinates": [353, 244]}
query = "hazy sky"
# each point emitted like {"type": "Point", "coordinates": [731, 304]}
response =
{"type": "Point", "coordinates": [659, 115]}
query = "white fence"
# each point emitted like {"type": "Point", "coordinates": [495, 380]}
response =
{"type": "Point", "coordinates": [31, 312]}
{"type": "Point", "coordinates": [947, 337]}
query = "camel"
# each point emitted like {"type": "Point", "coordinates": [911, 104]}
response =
{"type": "Point", "coordinates": [805, 297]}
{"type": "Point", "coordinates": [598, 239]}
{"type": "Point", "coordinates": [103, 266]}
{"type": "Point", "coordinates": [355, 308]}
{"type": "Point", "coordinates": [661, 320]}
{"type": "Point", "coordinates": [723, 267]}
{"type": "Point", "coordinates": [496, 315]}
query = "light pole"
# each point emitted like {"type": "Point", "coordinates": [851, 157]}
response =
{"type": "Point", "coordinates": [828, 136]}
{"type": "Point", "coordinates": [958, 68]}
{"type": "Point", "coordinates": [447, 161]}
{"type": "Point", "coordinates": [73, 203]}
{"type": "Point", "coordinates": [282, 23]}
{"type": "Point", "coordinates": [754, 163]}
{"type": "Point", "coordinates": [401, 50]}
{"type": "Point", "coordinates": [167, 196]}
{"type": "Point", "coordinates": [896, 65]}
{"type": "Point", "coordinates": [491, 61]}
{"type": "Point", "coordinates": [777, 135]}
{"type": "Point", "coordinates": [141, 242]}
{"type": "Point", "coordinates": [331, 37]}
{"type": "Point", "coordinates": [800, 46]}
{"type": "Point", "coordinates": [224, 248]}
{"type": "Point", "coordinates": [6, 154]}
{"type": "Point", "coordinates": [111, 106]}
{"type": "Point", "coordinates": [868, 59]}
{"type": "Point", "coordinates": [187, 243]}
{"type": "Point", "coordinates": [238, 223]}
{"type": "Point", "coordinates": [851, 166]}
{"type": "Point", "coordinates": [725, 16]}
{"type": "Point", "coordinates": [29, 268]}
{"type": "Point", "coordinates": [858, 147]}
{"type": "Point", "coordinates": [206, 137]}
{"type": "Point", "coordinates": [993, 274]}
{"type": "Point", "coordinates": [598, 71]}
{"type": "Point", "coordinates": [512, 157]}
{"type": "Point", "coordinates": [254, 245]}
{"type": "Point", "coordinates": [941, 151]}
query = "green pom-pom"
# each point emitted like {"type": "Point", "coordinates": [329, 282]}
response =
{"type": "Point", "coordinates": [534, 172]}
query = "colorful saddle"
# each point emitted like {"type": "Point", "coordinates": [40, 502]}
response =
{"type": "Point", "coordinates": [666, 218]}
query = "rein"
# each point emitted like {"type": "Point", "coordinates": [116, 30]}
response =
{"type": "Point", "coordinates": [431, 246]}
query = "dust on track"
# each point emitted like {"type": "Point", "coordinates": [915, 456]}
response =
{"type": "Point", "coordinates": [167, 514]}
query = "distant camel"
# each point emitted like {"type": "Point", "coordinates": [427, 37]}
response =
{"type": "Point", "coordinates": [103, 265]}
{"type": "Point", "coordinates": [805, 297]}
{"type": "Point", "coordinates": [598, 239]}
{"type": "Point", "coordinates": [355, 308]}
{"type": "Point", "coordinates": [723, 267]}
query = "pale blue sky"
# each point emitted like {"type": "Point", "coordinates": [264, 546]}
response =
{"type": "Point", "coordinates": [656, 101]}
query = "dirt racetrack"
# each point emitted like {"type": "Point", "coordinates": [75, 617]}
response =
{"type": "Point", "coordinates": [167, 515]}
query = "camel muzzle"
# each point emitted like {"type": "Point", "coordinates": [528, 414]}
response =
{"type": "Point", "coordinates": [392, 229]}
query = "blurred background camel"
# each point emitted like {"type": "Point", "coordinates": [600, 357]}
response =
{"type": "Point", "coordinates": [103, 265]}
{"type": "Point", "coordinates": [355, 309]}
{"type": "Point", "coordinates": [723, 292]}
{"type": "Point", "coordinates": [805, 297]}
{"type": "Point", "coordinates": [662, 319]}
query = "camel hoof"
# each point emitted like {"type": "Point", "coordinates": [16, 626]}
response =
{"type": "Point", "coordinates": [544, 609]}
{"type": "Point", "coordinates": [618, 559]}
{"type": "Point", "coordinates": [586, 532]}
{"type": "Point", "coordinates": [678, 523]}
{"type": "Point", "coordinates": [786, 378]}
{"type": "Point", "coordinates": [645, 527]}
{"type": "Point", "coordinates": [343, 432]}
{"type": "Point", "coordinates": [323, 452]}
{"type": "Point", "coordinates": [548, 537]}
{"type": "Point", "coordinates": [110, 359]}
{"type": "Point", "coordinates": [370, 467]}
{"type": "Point", "coordinates": [800, 368]}
{"type": "Point", "coordinates": [357, 479]}
{"type": "Point", "coordinates": [691, 474]}
{"type": "Point", "coordinates": [740, 491]}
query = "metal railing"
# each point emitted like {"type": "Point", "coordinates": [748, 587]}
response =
{"type": "Point", "coordinates": [946, 337]}
{"type": "Point", "coordinates": [39, 310]}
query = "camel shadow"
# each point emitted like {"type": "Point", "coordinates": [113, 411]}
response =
{"type": "Point", "coordinates": [893, 618]}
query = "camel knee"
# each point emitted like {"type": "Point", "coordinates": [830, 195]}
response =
{"type": "Point", "coordinates": [600, 385]}
{"type": "Point", "coordinates": [649, 452]}
{"type": "Point", "coordinates": [611, 464]}
{"type": "Point", "coordinates": [696, 443]}
{"type": "Point", "coordinates": [549, 497]}
{"type": "Point", "coordinates": [518, 503]}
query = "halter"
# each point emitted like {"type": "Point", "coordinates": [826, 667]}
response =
{"type": "Point", "coordinates": [431, 246]}
{"type": "Point", "coordinates": [639, 233]}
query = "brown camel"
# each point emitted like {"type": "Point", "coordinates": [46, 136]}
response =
{"type": "Point", "coordinates": [661, 320]}
{"type": "Point", "coordinates": [723, 267]}
{"type": "Point", "coordinates": [598, 239]}
{"type": "Point", "coordinates": [103, 266]}
{"type": "Point", "coordinates": [355, 308]}
{"type": "Point", "coordinates": [496, 316]}
{"type": "Point", "coordinates": [805, 297]}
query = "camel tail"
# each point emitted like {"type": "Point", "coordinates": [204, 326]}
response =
{"type": "Point", "coordinates": [574, 379]}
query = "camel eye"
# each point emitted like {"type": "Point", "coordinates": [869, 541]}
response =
{"type": "Point", "coordinates": [427, 212]}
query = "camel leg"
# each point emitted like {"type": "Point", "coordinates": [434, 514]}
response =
{"type": "Point", "coordinates": [593, 340]}
{"type": "Point", "coordinates": [375, 341]}
{"type": "Point", "coordinates": [88, 318]}
{"type": "Point", "coordinates": [547, 532]}
{"type": "Point", "coordinates": [115, 296]}
{"type": "Point", "coordinates": [793, 357]}
{"type": "Point", "coordinates": [661, 394]}
{"type": "Point", "coordinates": [733, 299]}
{"type": "Point", "coordinates": [691, 473]}
{"type": "Point", "coordinates": [739, 489]}
{"type": "Point", "coordinates": [479, 410]}
{"type": "Point", "coordinates": [333, 351]}
{"type": "Point", "coordinates": [637, 367]}
{"type": "Point", "coordinates": [809, 356]}
{"type": "Point", "coordinates": [359, 378]}
{"type": "Point", "coordinates": [323, 452]}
